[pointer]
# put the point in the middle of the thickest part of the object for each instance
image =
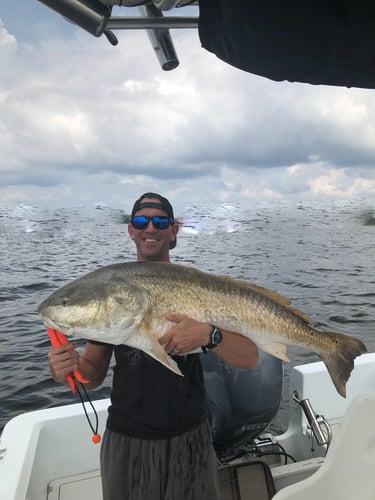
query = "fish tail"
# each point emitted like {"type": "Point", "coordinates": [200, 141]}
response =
{"type": "Point", "coordinates": [340, 360]}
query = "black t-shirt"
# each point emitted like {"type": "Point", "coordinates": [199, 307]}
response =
{"type": "Point", "coordinates": [151, 402]}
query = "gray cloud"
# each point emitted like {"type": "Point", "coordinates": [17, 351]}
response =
{"type": "Point", "coordinates": [84, 121]}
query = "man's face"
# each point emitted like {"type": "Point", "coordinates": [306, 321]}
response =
{"type": "Point", "coordinates": [152, 243]}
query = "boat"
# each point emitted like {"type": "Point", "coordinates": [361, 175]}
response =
{"type": "Point", "coordinates": [325, 42]}
{"type": "Point", "coordinates": [328, 448]}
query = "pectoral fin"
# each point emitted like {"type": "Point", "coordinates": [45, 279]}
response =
{"type": "Point", "coordinates": [277, 350]}
{"type": "Point", "coordinates": [151, 346]}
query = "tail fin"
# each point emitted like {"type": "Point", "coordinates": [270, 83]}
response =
{"type": "Point", "coordinates": [340, 361]}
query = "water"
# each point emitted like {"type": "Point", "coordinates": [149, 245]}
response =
{"type": "Point", "coordinates": [320, 256]}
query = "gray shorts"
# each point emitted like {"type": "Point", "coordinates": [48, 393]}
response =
{"type": "Point", "coordinates": [179, 468]}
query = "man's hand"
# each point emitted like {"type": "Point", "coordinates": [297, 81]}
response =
{"type": "Point", "coordinates": [62, 361]}
{"type": "Point", "coordinates": [187, 335]}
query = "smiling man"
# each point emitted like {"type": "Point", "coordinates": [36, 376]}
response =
{"type": "Point", "coordinates": [157, 444]}
{"type": "Point", "coordinates": [153, 228]}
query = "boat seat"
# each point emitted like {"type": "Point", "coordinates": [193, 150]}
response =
{"type": "Point", "coordinates": [348, 470]}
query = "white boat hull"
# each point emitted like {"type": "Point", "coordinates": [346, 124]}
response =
{"type": "Point", "coordinates": [48, 454]}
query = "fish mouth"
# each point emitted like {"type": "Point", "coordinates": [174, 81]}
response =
{"type": "Point", "coordinates": [67, 330]}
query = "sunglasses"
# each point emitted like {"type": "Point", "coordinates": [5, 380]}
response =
{"type": "Point", "coordinates": [142, 221]}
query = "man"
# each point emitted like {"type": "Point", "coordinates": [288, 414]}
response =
{"type": "Point", "coordinates": [157, 444]}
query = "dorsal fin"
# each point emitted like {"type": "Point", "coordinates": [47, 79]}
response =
{"type": "Point", "coordinates": [280, 299]}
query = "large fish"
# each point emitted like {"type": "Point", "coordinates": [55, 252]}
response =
{"type": "Point", "coordinates": [127, 303]}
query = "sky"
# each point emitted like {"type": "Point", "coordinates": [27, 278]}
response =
{"type": "Point", "coordinates": [83, 122]}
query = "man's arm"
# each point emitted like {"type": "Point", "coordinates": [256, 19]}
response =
{"type": "Point", "coordinates": [93, 364]}
{"type": "Point", "coordinates": [187, 335]}
{"type": "Point", "coordinates": [237, 350]}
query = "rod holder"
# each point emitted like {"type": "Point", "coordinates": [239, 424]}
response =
{"type": "Point", "coordinates": [91, 15]}
{"type": "Point", "coordinates": [161, 40]}
{"type": "Point", "coordinates": [316, 422]}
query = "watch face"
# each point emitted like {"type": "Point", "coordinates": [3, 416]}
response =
{"type": "Point", "coordinates": [217, 336]}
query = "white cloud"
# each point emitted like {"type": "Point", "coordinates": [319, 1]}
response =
{"type": "Point", "coordinates": [81, 120]}
{"type": "Point", "coordinates": [336, 183]}
{"type": "Point", "coordinates": [7, 41]}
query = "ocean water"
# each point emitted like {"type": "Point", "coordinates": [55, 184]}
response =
{"type": "Point", "coordinates": [319, 255]}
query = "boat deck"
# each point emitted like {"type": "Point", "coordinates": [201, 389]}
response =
{"type": "Point", "coordinates": [49, 454]}
{"type": "Point", "coordinates": [237, 483]}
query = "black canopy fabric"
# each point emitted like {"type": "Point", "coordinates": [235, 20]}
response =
{"type": "Point", "coordinates": [330, 42]}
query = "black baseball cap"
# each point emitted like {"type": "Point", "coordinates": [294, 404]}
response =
{"type": "Point", "coordinates": [162, 203]}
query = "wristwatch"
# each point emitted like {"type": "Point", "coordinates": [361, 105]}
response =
{"type": "Point", "coordinates": [216, 338]}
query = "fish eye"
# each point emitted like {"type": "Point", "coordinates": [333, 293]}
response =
{"type": "Point", "coordinates": [65, 302]}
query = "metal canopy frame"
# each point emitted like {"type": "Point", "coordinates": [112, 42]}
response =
{"type": "Point", "coordinates": [95, 16]}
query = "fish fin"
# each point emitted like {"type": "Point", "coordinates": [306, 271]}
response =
{"type": "Point", "coordinates": [150, 345]}
{"type": "Point", "coordinates": [280, 299]}
{"type": "Point", "coordinates": [277, 350]}
{"type": "Point", "coordinates": [265, 291]}
{"type": "Point", "coordinates": [160, 355]}
{"type": "Point", "coordinates": [284, 301]}
{"type": "Point", "coordinates": [340, 360]}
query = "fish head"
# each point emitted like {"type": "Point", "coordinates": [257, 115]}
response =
{"type": "Point", "coordinates": [109, 311]}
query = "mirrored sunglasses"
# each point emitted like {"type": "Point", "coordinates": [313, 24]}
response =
{"type": "Point", "coordinates": [142, 221]}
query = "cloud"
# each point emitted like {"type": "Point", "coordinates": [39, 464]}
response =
{"type": "Point", "coordinates": [7, 41]}
{"type": "Point", "coordinates": [84, 121]}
